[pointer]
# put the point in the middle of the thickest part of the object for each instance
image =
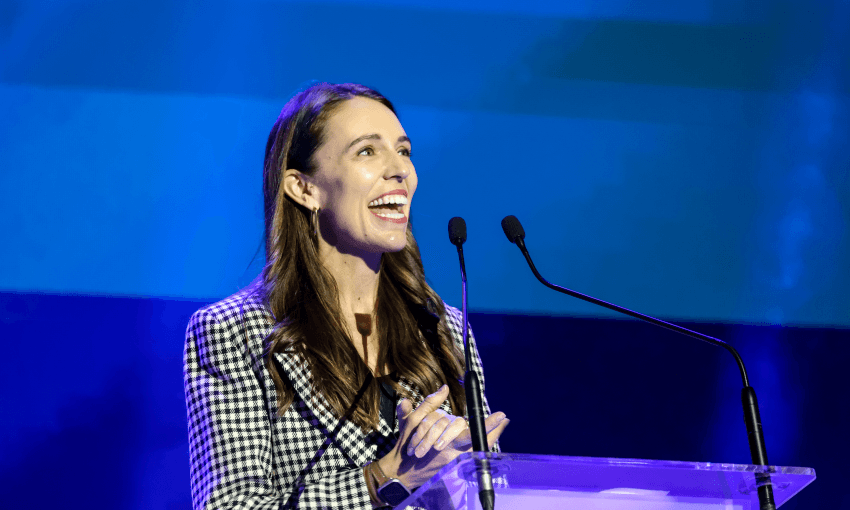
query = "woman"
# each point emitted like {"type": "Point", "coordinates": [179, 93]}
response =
{"type": "Point", "coordinates": [306, 389]}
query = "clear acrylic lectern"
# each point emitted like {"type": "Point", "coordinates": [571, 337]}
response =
{"type": "Point", "coordinates": [530, 482]}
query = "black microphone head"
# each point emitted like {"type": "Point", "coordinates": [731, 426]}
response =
{"type": "Point", "coordinates": [513, 228]}
{"type": "Point", "coordinates": [457, 231]}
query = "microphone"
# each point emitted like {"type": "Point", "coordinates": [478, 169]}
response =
{"type": "Point", "coordinates": [758, 452]}
{"type": "Point", "coordinates": [513, 229]}
{"type": "Point", "coordinates": [457, 233]}
{"type": "Point", "coordinates": [471, 382]}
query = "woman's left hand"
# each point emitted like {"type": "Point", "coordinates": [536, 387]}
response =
{"type": "Point", "coordinates": [431, 438]}
{"type": "Point", "coordinates": [436, 430]}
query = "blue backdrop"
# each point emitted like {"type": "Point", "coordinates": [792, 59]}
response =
{"type": "Point", "coordinates": [687, 160]}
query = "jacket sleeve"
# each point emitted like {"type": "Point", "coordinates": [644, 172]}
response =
{"type": "Point", "coordinates": [230, 443]}
{"type": "Point", "coordinates": [454, 320]}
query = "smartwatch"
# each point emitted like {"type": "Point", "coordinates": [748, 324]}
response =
{"type": "Point", "coordinates": [390, 490]}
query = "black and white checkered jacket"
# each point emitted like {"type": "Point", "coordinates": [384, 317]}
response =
{"type": "Point", "coordinates": [245, 455]}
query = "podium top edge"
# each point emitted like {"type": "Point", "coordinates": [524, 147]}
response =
{"type": "Point", "coordinates": [638, 463]}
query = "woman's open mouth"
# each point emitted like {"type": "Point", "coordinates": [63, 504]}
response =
{"type": "Point", "coordinates": [389, 207]}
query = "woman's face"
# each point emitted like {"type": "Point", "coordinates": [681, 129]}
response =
{"type": "Point", "coordinates": [364, 179]}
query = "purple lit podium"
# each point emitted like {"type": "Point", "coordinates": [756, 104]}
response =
{"type": "Point", "coordinates": [530, 482]}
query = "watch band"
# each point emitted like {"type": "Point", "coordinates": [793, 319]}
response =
{"type": "Point", "coordinates": [380, 477]}
{"type": "Point", "coordinates": [370, 484]}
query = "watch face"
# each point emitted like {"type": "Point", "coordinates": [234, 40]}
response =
{"type": "Point", "coordinates": [393, 492]}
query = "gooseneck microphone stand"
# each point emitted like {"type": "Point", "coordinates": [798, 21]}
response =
{"type": "Point", "coordinates": [472, 384]}
{"type": "Point", "coordinates": [758, 452]}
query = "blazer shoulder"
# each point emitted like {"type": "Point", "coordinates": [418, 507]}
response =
{"type": "Point", "coordinates": [241, 315]}
{"type": "Point", "coordinates": [453, 312]}
{"type": "Point", "coordinates": [247, 304]}
{"type": "Point", "coordinates": [454, 320]}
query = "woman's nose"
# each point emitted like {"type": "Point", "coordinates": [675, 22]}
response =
{"type": "Point", "coordinates": [398, 167]}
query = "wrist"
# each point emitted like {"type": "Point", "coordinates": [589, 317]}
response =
{"type": "Point", "coordinates": [390, 490]}
{"type": "Point", "coordinates": [389, 469]}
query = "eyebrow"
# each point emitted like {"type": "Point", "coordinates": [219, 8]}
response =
{"type": "Point", "coordinates": [374, 136]}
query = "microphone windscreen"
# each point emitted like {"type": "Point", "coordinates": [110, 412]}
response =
{"type": "Point", "coordinates": [457, 231]}
{"type": "Point", "coordinates": [513, 228]}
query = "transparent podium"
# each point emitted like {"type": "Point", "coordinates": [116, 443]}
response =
{"type": "Point", "coordinates": [530, 482]}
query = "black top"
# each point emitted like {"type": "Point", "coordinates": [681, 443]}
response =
{"type": "Point", "coordinates": [388, 401]}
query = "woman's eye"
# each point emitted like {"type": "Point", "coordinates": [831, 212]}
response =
{"type": "Point", "coordinates": [366, 151]}
{"type": "Point", "coordinates": [404, 151]}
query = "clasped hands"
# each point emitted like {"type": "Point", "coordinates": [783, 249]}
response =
{"type": "Point", "coordinates": [430, 438]}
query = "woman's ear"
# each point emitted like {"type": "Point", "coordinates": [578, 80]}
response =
{"type": "Point", "coordinates": [296, 187]}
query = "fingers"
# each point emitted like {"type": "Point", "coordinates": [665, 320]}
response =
{"type": "Point", "coordinates": [456, 428]}
{"type": "Point", "coordinates": [493, 435]}
{"type": "Point", "coordinates": [429, 430]}
{"type": "Point", "coordinates": [427, 426]}
{"type": "Point", "coordinates": [411, 418]}
{"type": "Point", "coordinates": [433, 401]}
{"type": "Point", "coordinates": [493, 424]}
{"type": "Point", "coordinates": [493, 421]}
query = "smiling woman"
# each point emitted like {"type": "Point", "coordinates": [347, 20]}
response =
{"type": "Point", "coordinates": [305, 390]}
{"type": "Point", "coordinates": [357, 181]}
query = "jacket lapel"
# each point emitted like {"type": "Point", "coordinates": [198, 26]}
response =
{"type": "Point", "coordinates": [348, 437]}
{"type": "Point", "coordinates": [345, 434]}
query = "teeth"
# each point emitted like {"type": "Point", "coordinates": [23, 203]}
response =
{"type": "Point", "coordinates": [390, 215]}
{"type": "Point", "coordinates": [389, 199]}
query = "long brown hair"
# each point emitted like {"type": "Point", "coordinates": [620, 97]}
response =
{"type": "Point", "coordinates": [303, 297]}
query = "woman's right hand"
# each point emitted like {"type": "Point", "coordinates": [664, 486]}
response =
{"type": "Point", "coordinates": [430, 438]}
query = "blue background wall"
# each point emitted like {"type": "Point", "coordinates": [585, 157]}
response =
{"type": "Point", "coordinates": [687, 160]}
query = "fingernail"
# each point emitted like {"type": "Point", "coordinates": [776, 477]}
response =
{"type": "Point", "coordinates": [442, 388]}
{"type": "Point", "coordinates": [440, 444]}
{"type": "Point", "coordinates": [410, 450]}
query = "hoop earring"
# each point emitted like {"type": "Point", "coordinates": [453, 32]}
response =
{"type": "Point", "coordinates": [314, 221]}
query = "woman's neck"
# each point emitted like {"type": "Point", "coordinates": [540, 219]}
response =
{"type": "Point", "coordinates": [356, 280]}
{"type": "Point", "coordinates": [357, 283]}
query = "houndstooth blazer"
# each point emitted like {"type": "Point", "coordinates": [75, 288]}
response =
{"type": "Point", "coordinates": [243, 454]}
